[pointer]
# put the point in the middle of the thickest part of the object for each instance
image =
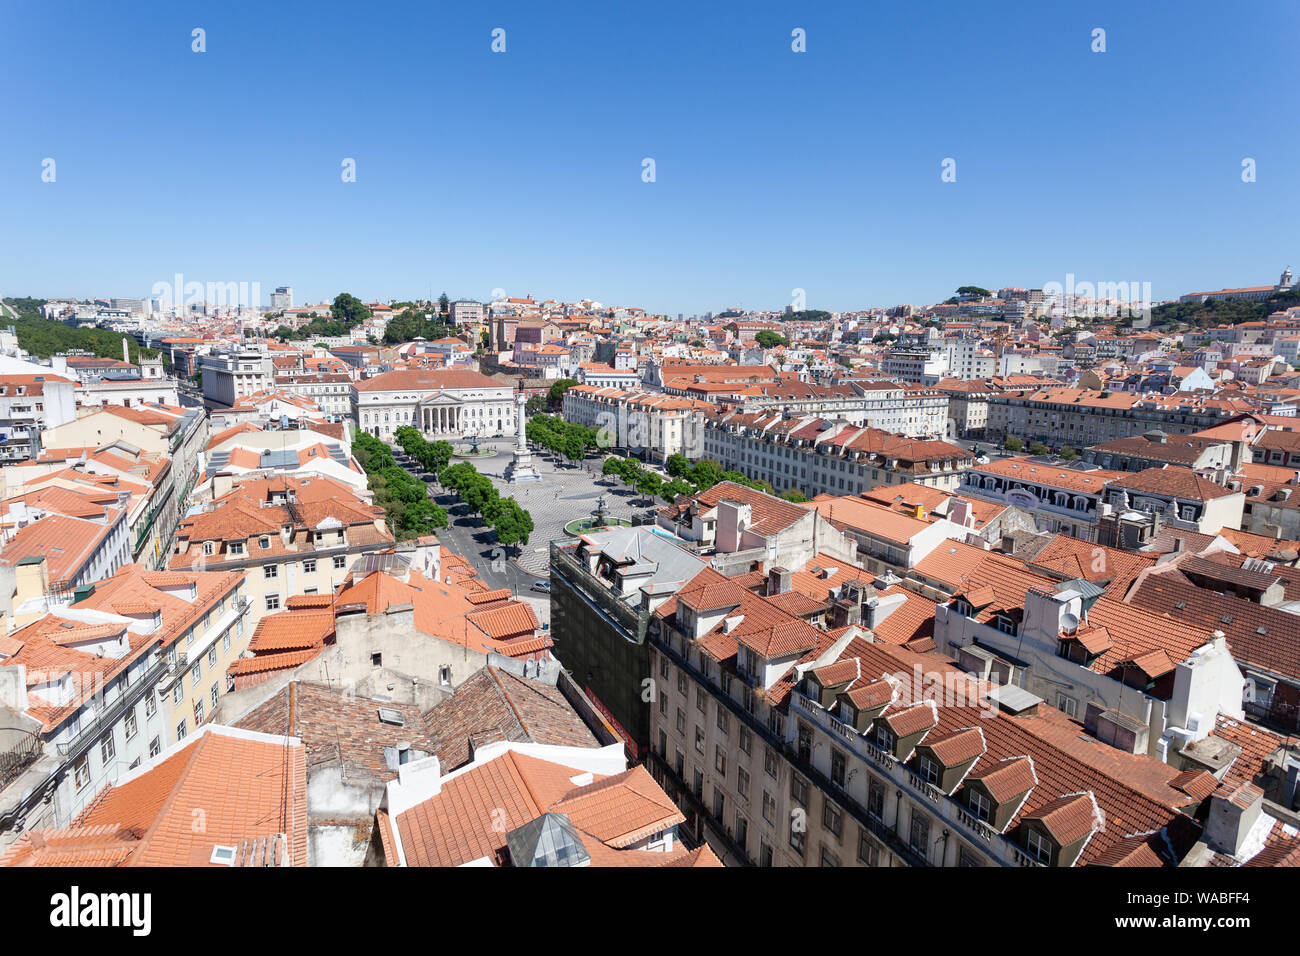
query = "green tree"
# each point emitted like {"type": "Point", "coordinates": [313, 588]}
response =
{"type": "Point", "coordinates": [1068, 453]}
{"type": "Point", "coordinates": [1037, 448]}
{"type": "Point", "coordinates": [535, 405]}
{"type": "Point", "coordinates": [444, 306]}
{"type": "Point", "coordinates": [649, 484]}
{"type": "Point", "coordinates": [1013, 444]}
{"type": "Point", "coordinates": [678, 466]}
{"type": "Point", "coordinates": [770, 340]}
{"type": "Point", "coordinates": [512, 523]}
{"type": "Point", "coordinates": [555, 397]}
{"type": "Point", "coordinates": [349, 310]}
{"type": "Point", "coordinates": [794, 494]}
{"type": "Point", "coordinates": [675, 489]}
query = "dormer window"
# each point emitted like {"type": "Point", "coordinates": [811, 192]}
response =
{"type": "Point", "coordinates": [236, 547]}
{"type": "Point", "coordinates": [928, 770]}
{"type": "Point", "coordinates": [264, 543]}
{"type": "Point", "coordinates": [209, 547]}
{"type": "Point", "coordinates": [962, 608]}
{"type": "Point", "coordinates": [1005, 625]}
{"type": "Point", "coordinates": [1039, 846]}
{"type": "Point", "coordinates": [980, 805]}
{"type": "Point", "coordinates": [883, 737]}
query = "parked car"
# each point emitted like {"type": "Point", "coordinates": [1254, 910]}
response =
{"type": "Point", "coordinates": [543, 586]}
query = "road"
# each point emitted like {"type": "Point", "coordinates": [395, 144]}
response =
{"type": "Point", "coordinates": [473, 539]}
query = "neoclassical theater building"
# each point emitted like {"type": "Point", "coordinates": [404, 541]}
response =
{"type": "Point", "coordinates": [442, 403]}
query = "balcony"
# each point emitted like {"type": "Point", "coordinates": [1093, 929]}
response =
{"type": "Point", "coordinates": [129, 695]}
{"type": "Point", "coordinates": [18, 758]}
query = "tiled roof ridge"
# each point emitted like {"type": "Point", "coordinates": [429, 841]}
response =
{"type": "Point", "coordinates": [505, 695]}
{"type": "Point", "coordinates": [177, 785]}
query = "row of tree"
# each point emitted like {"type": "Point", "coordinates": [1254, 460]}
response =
{"type": "Point", "coordinates": [405, 499]}
{"type": "Point", "coordinates": [563, 438]}
{"type": "Point", "coordinates": [433, 456]}
{"type": "Point", "coordinates": [511, 522]}
{"type": "Point", "coordinates": [1016, 445]}
{"type": "Point", "coordinates": [685, 477]}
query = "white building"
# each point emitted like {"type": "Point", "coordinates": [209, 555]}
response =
{"type": "Point", "coordinates": [443, 402]}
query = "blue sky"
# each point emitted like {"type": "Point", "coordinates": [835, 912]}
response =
{"type": "Point", "coordinates": [522, 171]}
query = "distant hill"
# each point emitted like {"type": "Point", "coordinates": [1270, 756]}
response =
{"type": "Point", "coordinates": [1205, 315]}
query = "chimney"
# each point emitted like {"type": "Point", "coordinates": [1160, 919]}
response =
{"type": "Point", "coordinates": [1233, 811]}
{"type": "Point", "coordinates": [1180, 545]}
{"type": "Point", "coordinates": [778, 581]}
{"type": "Point", "coordinates": [126, 352]}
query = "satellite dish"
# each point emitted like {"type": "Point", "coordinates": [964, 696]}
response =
{"type": "Point", "coordinates": [1069, 623]}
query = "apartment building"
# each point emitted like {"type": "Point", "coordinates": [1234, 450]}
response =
{"type": "Point", "coordinates": [1069, 497]}
{"type": "Point", "coordinates": [1081, 417]}
{"type": "Point", "coordinates": [651, 424]}
{"type": "Point", "coordinates": [821, 456]}
{"type": "Point", "coordinates": [230, 374]}
{"type": "Point", "coordinates": [787, 744]}
{"type": "Point", "coordinates": [28, 404]}
{"type": "Point", "coordinates": [97, 670]}
{"type": "Point", "coordinates": [291, 535]}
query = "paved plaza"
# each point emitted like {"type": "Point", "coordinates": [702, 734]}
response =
{"type": "Point", "coordinates": [566, 491]}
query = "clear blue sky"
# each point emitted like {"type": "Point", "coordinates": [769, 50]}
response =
{"type": "Point", "coordinates": [522, 171]}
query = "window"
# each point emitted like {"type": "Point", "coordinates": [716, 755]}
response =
{"type": "Point", "coordinates": [920, 833]}
{"type": "Point", "coordinates": [928, 770]}
{"type": "Point", "coordinates": [155, 747]}
{"type": "Point", "coordinates": [799, 789]}
{"type": "Point", "coordinates": [81, 772]}
{"type": "Point", "coordinates": [724, 721]}
{"type": "Point", "coordinates": [980, 805]}
{"type": "Point", "coordinates": [663, 667]}
{"type": "Point", "coordinates": [744, 740]}
{"type": "Point", "coordinates": [699, 740]}
{"type": "Point", "coordinates": [1039, 847]}
{"type": "Point", "coordinates": [196, 674]}
{"type": "Point", "coordinates": [837, 767]}
{"type": "Point", "coordinates": [681, 683]}
{"type": "Point", "coordinates": [178, 691]}
{"type": "Point", "coordinates": [107, 749]}
{"type": "Point", "coordinates": [340, 562]}
{"type": "Point", "coordinates": [235, 547]}
{"type": "Point", "coordinates": [796, 837]}
{"type": "Point", "coordinates": [764, 854]}
{"type": "Point", "coordinates": [680, 762]}
{"type": "Point", "coordinates": [130, 727]}
{"type": "Point", "coordinates": [663, 744]}
{"type": "Point", "coordinates": [681, 722]}
{"type": "Point", "coordinates": [225, 641]}
{"type": "Point", "coordinates": [273, 602]}
{"type": "Point", "coordinates": [1006, 625]}
{"type": "Point", "coordinates": [832, 818]}
{"type": "Point", "coordinates": [209, 547]}
{"type": "Point", "coordinates": [805, 742]}
{"type": "Point", "coordinates": [663, 704]}
{"type": "Point", "coordinates": [769, 807]}
{"type": "Point", "coordinates": [769, 762]}
{"type": "Point", "coordinates": [828, 858]}
{"type": "Point", "coordinates": [214, 696]}
{"type": "Point", "coordinates": [1066, 705]}
{"type": "Point", "coordinates": [180, 730]}
{"type": "Point", "coordinates": [444, 674]}
{"type": "Point", "coordinates": [719, 803]}
{"type": "Point", "coordinates": [150, 706]}
{"type": "Point", "coordinates": [270, 571]}
{"type": "Point", "coordinates": [309, 566]}
{"type": "Point", "coordinates": [264, 543]}
{"type": "Point", "coordinates": [720, 760]}
{"type": "Point", "coordinates": [876, 799]}
{"type": "Point", "coordinates": [868, 852]}
{"type": "Point", "coordinates": [699, 783]}
{"type": "Point", "coordinates": [198, 712]}
{"type": "Point", "coordinates": [742, 832]}
{"type": "Point", "coordinates": [376, 660]}
{"type": "Point", "coordinates": [212, 656]}
{"type": "Point", "coordinates": [883, 737]}
{"type": "Point", "coordinates": [742, 782]}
